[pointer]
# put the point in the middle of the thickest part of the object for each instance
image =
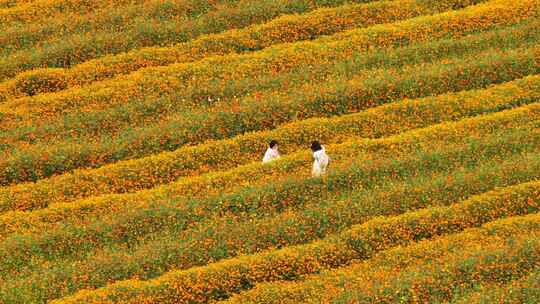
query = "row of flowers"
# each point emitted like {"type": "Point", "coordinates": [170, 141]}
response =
{"type": "Point", "coordinates": [68, 32]}
{"type": "Point", "coordinates": [171, 80]}
{"type": "Point", "coordinates": [521, 290]}
{"type": "Point", "coordinates": [289, 28]}
{"type": "Point", "coordinates": [35, 11]}
{"type": "Point", "coordinates": [386, 120]}
{"type": "Point", "coordinates": [332, 98]}
{"type": "Point", "coordinates": [130, 27]}
{"type": "Point", "coordinates": [148, 211]}
{"type": "Point", "coordinates": [427, 183]}
{"type": "Point", "coordinates": [12, 3]}
{"type": "Point", "coordinates": [164, 168]}
{"type": "Point", "coordinates": [220, 80]}
{"type": "Point", "coordinates": [126, 223]}
{"type": "Point", "coordinates": [429, 271]}
{"type": "Point", "coordinates": [62, 20]}
{"type": "Point", "coordinates": [224, 278]}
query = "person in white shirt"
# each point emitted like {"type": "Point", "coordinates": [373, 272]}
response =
{"type": "Point", "coordinates": [272, 152]}
{"type": "Point", "coordinates": [320, 159]}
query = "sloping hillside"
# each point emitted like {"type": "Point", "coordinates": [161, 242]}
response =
{"type": "Point", "coordinates": [132, 134]}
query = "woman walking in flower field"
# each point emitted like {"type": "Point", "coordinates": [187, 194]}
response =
{"type": "Point", "coordinates": [320, 159]}
{"type": "Point", "coordinates": [272, 152]}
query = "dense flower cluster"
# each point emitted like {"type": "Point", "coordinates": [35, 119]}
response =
{"type": "Point", "coordinates": [66, 32]}
{"type": "Point", "coordinates": [521, 290]}
{"type": "Point", "coordinates": [423, 272]}
{"type": "Point", "coordinates": [205, 283]}
{"type": "Point", "coordinates": [157, 81]}
{"type": "Point", "coordinates": [286, 29]}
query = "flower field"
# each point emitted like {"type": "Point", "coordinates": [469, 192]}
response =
{"type": "Point", "coordinates": [132, 134]}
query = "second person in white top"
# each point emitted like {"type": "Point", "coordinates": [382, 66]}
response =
{"type": "Point", "coordinates": [320, 159]}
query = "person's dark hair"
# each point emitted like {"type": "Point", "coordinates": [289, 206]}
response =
{"type": "Point", "coordinates": [316, 146]}
{"type": "Point", "coordinates": [273, 143]}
